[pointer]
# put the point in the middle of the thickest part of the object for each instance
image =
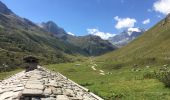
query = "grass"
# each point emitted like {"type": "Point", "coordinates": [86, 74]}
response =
{"type": "Point", "coordinates": [150, 48]}
{"type": "Point", "coordinates": [122, 84]}
{"type": "Point", "coordinates": [3, 75]}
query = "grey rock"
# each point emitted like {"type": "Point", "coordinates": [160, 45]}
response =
{"type": "Point", "coordinates": [62, 97]}
{"type": "Point", "coordinates": [69, 92]}
{"type": "Point", "coordinates": [34, 86]}
{"type": "Point", "coordinates": [41, 84]}
{"type": "Point", "coordinates": [47, 91]}
{"type": "Point", "coordinates": [33, 92]}
{"type": "Point", "coordinates": [18, 89]}
{"type": "Point", "coordinates": [57, 91]}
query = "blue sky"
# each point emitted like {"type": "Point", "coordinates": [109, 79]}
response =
{"type": "Point", "coordinates": [84, 16]}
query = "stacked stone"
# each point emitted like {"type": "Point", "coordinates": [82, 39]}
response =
{"type": "Point", "coordinates": [42, 84]}
{"type": "Point", "coordinates": [11, 88]}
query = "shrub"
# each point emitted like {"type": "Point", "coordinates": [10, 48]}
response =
{"type": "Point", "coordinates": [86, 84]}
{"type": "Point", "coordinates": [149, 75]}
{"type": "Point", "coordinates": [164, 77]}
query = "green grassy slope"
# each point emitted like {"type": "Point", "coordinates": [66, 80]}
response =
{"type": "Point", "coordinates": [150, 48]}
{"type": "Point", "coordinates": [116, 84]}
{"type": "Point", "coordinates": [20, 37]}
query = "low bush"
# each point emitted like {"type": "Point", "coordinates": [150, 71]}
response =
{"type": "Point", "coordinates": [86, 84]}
{"type": "Point", "coordinates": [164, 77]}
{"type": "Point", "coordinates": [149, 75]}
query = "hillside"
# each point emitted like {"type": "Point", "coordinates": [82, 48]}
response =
{"type": "Point", "coordinates": [129, 73]}
{"type": "Point", "coordinates": [150, 48]}
{"type": "Point", "coordinates": [88, 45]}
{"type": "Point", "coordinates": [20, 37]}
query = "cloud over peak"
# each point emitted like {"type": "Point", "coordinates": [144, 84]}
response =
{"type": "Point", "coordinates": [103, 35]}
{"type": "Point", "coordinates": [131, 30]}
{"type": "Point", "coordinates": [134, 29]}
{"type": "Point", "coordinates": [124, 22]}
{"type": "Point", "coordinates": [70, 33]}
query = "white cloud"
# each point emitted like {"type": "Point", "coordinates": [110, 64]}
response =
{"type": "Point", "coordinates": [103, 35]}
{"type": "Point", "coordinates": [147, 21]}
{"type": "Point", "coordinates": [162, 6]}
{"type": "Point", "coordinates": [124, 22]}
{"type": "Point", "coordinates": [131, 30]}
{"type": "Point", "coordinates": [134, 29]}
{"type": "Point", "coordinates": [70, 33]}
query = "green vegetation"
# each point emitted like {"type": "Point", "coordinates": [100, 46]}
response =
{"type": "Point", "coordinates": [85, 45]}
{"type": "Point", "coordinates": [164, 77]}
{"type": "Point", "coordinates": [121, 82]}
{"type": "Point", "coordinates": [90, 44]}
{"type": "Point", "coordinates": [9, 73]}
{"type": "Point", "coordinates": [130, 73]}
{"type": "Point", "coordinates": [151, 48]}
{"type": "Point", "coordinates": [20, 38]}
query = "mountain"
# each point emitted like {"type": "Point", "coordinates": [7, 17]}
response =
{"type": "Point", "coordinates": [88, 45]}
{"type": "Point", "coordinates": [150, 48]}
{"type": "Point", "coordinates": [92, 45]}
{"type": "Point", "coordinates": [4, 9]}
{"type": "Point", "coordinates": [52, 27]}
{"type": "Point", "coordinates": [20, 37]}
{"type": "Point", "coordinates": [126, 37]}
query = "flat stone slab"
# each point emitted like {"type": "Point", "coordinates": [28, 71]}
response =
{"type": "Point", "coordinates": [18, 89]}
{"type": "Point", "coordinates": [32, 92]}
{"type": "Point", "coordinates": [34, 86]}
{"type": "Point", "coordinates": [62, 97]}
{"type": "Point", "coordinates": [57, 91]}
{"type": "Point", "coordinates": [35, 82]}
{"type": "Point", "coordinates": [1, 91]}
{"type": "Point", "coordinates": [6, 95]}
{"type": "Point", "coordinates": [47, 91]}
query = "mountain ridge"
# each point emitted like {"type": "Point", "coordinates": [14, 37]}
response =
{"type": "Point", "coordinates": [125, 37]}
{"type": "Point", "coordinates": [90, 44]}
{"type": "Point", "coordinates": [21, 37]}
{"type": "Point", "coordinates": [149, 49]}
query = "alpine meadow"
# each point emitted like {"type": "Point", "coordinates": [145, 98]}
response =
{"type": "Point", "coordinates": [85, 50]}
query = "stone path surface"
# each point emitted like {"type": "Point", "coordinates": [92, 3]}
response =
{"type": "Point", "coordinates": [42, 84]}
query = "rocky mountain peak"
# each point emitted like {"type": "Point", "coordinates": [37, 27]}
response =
{"type": "Point", "coordinates": [4, 9]}
{"type": "Point", "coordinates": [126, 36]}
{"type": "Point", "coordinates": [53, 28]}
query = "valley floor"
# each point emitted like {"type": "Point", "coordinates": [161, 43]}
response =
{"type": "Point", "coordinates": [111, 84]}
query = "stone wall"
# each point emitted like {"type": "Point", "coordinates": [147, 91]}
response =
{"type": "Point", "coordinates": [42, 84]}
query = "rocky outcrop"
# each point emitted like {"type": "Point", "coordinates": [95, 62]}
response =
{"type": "Point", "coordinates": [42, 84]}
{"type": "Point", "coordinates": [166, 20]}
{"type": "Point", "coordinates": [4, 9]}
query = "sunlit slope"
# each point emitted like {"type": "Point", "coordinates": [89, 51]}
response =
{"type": "Point", "coordinates": [152, 47]}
